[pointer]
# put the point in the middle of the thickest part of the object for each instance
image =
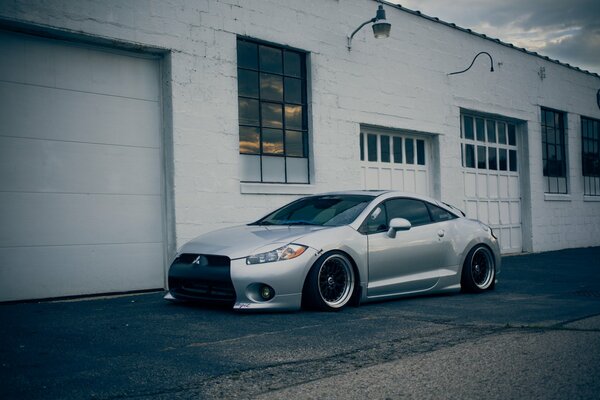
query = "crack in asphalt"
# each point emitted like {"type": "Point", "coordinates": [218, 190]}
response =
{"type": "Point", "coordinates": [247, 383]}
{"type": "Point", "coordinates": [244, 383]}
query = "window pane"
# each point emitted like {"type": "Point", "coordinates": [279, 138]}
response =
{"type": "Point", "coordinates": [439, 214]}
{"type": "Point", "coordinates": [293, 90]}
{"type": "Point", "coordinates": [294, 144]}
{"type": "Point", "coordinates": [247, 83]}
{"type": "Point", "coordinates": [512, 135]}
{"type": "Point", "coordinates": [372, 147]}
{"type": "Point", "coordinates": [297, 170]}
{"type": "Point", "coordinates": [491, 131]}
{"type": "Point", "coordinates": [385, 148]}
{"type": "Point", "coordinates": [492, 162]}
{"type": "Point", "coordinates": [273, 169]}
{"type": "Point", "coordinates": [410, 151]}
{"type": "Point", "coordinates": [501, 133]}
{"type": "Point", "coordinates": [271, 87]}
{"type": "Point", "coordinates": [249, 140]}
{"type": "Point", "coordinates": [421, 152]}
{"type": "Point", "coordinates": [512, 158]}
{"type": "Point", "coordinates": [550, 136]}
{"type": "Point", "coordinates": [270, 59]}
{"type": "Point", "coordinates": [480, 129]}
{"type": "Point", "coordinates": [247, 54]}
{"type": "Point", "coordinates": [293, 117]}
{"type": "Point", "coordinates": [502, 159]}
{"type": "Point", "coordinates": [248, 111]}
{"type": "Point", "coordinates": [413, 210]}
{"type": "Point", "coordinates": [469, 156]}
{"type": "Point", "coordinates": [272, 115]}
{"type": "Point", "coordinates": [272, 141]}
{"type": "Point", "coordinates": [249, 168]}
{"type": "Point", "coordinates": [481, 158]}
{"type": "Point", "coordinates": [397, 149]}
{"type": "Point", "coordinates": [468, 127]}
{"type": "Point", "coordinates": [293, 63]}
{"type": "Point", "coordinates": [362, 147]}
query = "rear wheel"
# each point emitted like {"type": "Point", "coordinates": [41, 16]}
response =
{"type": "Point", "coordinates": [330, 283]}
{"type": "Point", "coordinates": [479, 270]}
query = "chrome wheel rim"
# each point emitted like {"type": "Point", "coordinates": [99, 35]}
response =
{"type": "Point", "coordinates": [336, 281]}
{"type": "Point", "coordinates": [482, 268]}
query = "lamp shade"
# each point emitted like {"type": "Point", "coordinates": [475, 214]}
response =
{"type": "Point", "coordinates": [381, 29]}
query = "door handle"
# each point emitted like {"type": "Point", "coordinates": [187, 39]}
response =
{"type": "Point", "coordinates": [441, 233]}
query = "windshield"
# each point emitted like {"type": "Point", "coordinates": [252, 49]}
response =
{"type": "Point", "coordinates": [329, 210]}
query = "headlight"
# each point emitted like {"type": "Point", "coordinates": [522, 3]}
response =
{"type": "Point", "coordinates": [286, 252]}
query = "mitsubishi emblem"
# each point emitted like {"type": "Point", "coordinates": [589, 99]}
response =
{"type": "Point", "coordinates": [201, 261]}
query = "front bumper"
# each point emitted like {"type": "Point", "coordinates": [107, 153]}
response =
{"type": "Point", "coordinates": [239, 284]}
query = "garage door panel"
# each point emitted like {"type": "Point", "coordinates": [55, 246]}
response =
{"type": "Point", "coordinates": [69, 66]}
{"type": "Point", "coordinates": [47, 113]}
{"type": "Point", "coordinates": [32, 165]}
{"type": "Point", "coordinates": [48, 219]}
{"type": "Point", "coordinates": [492, 188]}
{"type": "Point", "coordinates": [81, 194]}
{"type": "Point", "coordinates": [38, 272]}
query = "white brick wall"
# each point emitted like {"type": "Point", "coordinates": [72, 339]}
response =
{"type": "Point", "coordinates": [399, 82]}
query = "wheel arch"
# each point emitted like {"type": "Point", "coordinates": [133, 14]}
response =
{"type": "Point", "coordinates": [356, 295]}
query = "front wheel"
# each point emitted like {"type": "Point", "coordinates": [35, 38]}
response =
{"type": "Point", "coordinates": [479, 270]}
{"type": "Point", "coordinates": [330, 283]}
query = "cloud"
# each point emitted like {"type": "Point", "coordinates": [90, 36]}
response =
{"type": "Point", "coordinates": [567, 31]}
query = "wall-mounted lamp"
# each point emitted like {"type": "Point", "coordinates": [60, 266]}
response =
{"type": "Point", "coordinates": [381, 28]}
{"type": "Point", "coordinates": [473, 62]}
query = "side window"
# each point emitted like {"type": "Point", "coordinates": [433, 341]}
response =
{"type": "Point", "coordinates": [376, 221]}
{"type": "Point", "coordinates": [439, 214]}
{"type": "Point", "coordinates": [413, 210]}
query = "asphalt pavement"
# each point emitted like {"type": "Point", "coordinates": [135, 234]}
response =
{"type": "Point", "coordinates": [537, 335]}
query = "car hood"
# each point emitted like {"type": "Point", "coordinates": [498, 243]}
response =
{"type": "Point", "coordinates": [245, 240]}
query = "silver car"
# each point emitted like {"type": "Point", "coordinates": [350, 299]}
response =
{"type": "Point", "coordinates": [330, 250]}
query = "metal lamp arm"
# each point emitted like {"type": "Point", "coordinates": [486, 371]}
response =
{"type": "Point", "coordinates": [473, 62]}
{"type": "Point", "coordinates": [358, 29]}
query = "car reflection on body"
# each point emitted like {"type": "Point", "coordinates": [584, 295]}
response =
{"type": "Point", "coordinates": [330, 250]}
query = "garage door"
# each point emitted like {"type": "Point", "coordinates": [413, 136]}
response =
{"type": "Point", "coordinates": [80, 170]}
{"type": "Point", "coordinates": [491, 177]}
{"type": "Point", "coordinates": [395, 161]}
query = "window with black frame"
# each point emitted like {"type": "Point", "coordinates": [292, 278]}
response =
{"type": "Point", "coordinates": [590, 155]}
{"type": "Point", "coordinates": [272, 113]}
{"type": "Point", "coordinates": [554, 151]}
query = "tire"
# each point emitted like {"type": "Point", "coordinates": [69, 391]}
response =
{"type": "Point", "coordinates": [330, 283]}
{"type": "Point", "coordinates": [479, 270]}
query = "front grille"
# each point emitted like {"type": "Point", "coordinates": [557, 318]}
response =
{"type": "Point", "coordinates": [202, 277]}
{"type": "Point", "coordinates": [213, 261]}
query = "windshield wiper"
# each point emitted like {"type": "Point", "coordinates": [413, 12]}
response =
{"type": "Point", "coordinates": [300, 223]}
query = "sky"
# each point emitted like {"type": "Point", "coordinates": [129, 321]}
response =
{"type": "Point", "coordinates": [567, 30]}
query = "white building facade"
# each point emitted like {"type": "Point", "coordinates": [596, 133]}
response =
{"type": "Point", "coordinates": [129, 128]}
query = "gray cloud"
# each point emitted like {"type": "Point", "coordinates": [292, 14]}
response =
{"type": "Point", "coordinates": [568, 31]}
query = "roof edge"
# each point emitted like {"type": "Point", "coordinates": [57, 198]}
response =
{"type": "Point", "coordinates": [484, 36]}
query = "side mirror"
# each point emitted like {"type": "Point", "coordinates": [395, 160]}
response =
{"type": "Point", "coordinates": [398, 224]}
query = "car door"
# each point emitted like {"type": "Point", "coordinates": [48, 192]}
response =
{"type": "Point", "coordinates": [410, 262]}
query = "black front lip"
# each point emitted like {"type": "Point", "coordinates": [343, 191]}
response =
{"type": "Point", "coordinates": [208, 281]}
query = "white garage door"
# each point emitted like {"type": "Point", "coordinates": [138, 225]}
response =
{"type": "Point", "coordinates": [80, 170]}
{"type": "Point", "coordinates": [395, 161]}
{"type": "Point", "coordinates": [491, 177]}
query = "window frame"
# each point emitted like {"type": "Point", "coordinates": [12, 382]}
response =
{"type": "Point", "coordinates": [364, 224]}
{"type": "Point", "coordinates": [552, 180]}
{"type": "Point", "coordinates": [476, 140]}
{"type": "Point", "coordinates": [285, 129]}
{"type": "Point", "coordinates": [591, 179]}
